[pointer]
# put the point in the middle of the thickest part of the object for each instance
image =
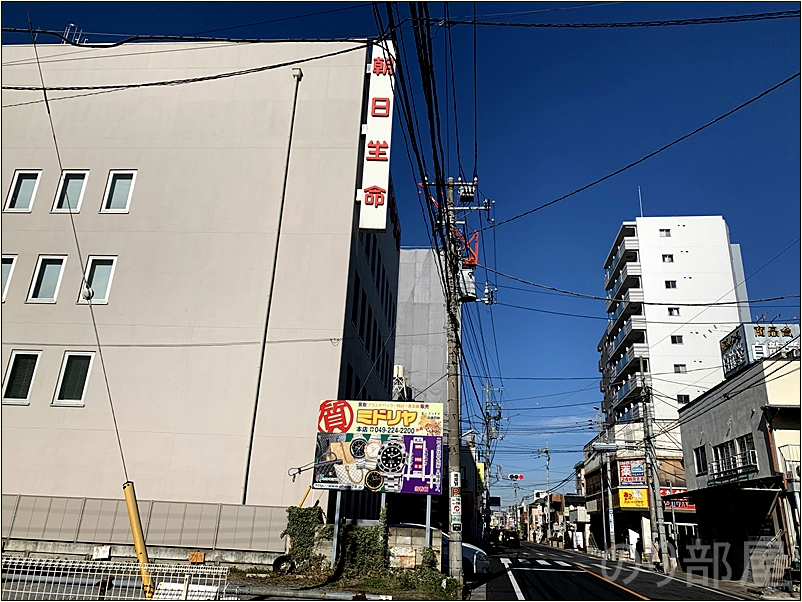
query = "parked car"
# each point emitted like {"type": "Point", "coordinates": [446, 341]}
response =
{"type": "Point", "coordinates": [474, 560]}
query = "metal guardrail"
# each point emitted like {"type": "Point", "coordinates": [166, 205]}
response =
{"type": "Point", "coordinates": [733, 465]}
{"type": "Point", "coordinates": [38, 579]}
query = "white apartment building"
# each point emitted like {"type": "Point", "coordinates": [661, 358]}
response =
{"type": "Point", "coordinates": [177, 193]}
{"type": "Point", "coordinates": [675, 286]}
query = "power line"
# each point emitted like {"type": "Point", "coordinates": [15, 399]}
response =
{"type": "Point", "coordinates": [787, 14]}
{"type": "Point", "coordinates": [649, 156]}
{"type": "Point", "coordinates": [658, 303]}
{"type": "Point", "coordinates": [85, 287]}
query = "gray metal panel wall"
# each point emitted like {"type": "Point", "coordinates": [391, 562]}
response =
{"type": "Point", "coordinates": [8, 511]}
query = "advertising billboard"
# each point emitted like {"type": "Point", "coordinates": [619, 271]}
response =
{"type": "Point", "coordinates": [631, 472]}
{"type": "Point", "coordinates": [679, 504]}
{"type": "Point", "coordinates": [633, 498]}
{"type": "Point", "coordinates": [382, 446]}
{"type": "Point", "coordinates": [750, 343]}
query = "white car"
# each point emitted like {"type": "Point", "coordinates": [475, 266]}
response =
{"type": "Point", "coordinates": [474, 560]}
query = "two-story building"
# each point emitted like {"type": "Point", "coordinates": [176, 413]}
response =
{"type": "Point", "coordinates": [741, 454]}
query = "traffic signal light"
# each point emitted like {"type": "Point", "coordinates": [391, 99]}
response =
{"type": "Point", "coordinates": [515, 477]}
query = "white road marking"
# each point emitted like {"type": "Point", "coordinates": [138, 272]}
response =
{"type": "Point", "coordinates": [561, 563]}
{"type": "Point", "coordinates": [544, 562]}
{"type": "Point", "coordinates": [582, 565]}
{"type": "Point", "coordinates": [523, 561]}
{"type": "Point", "coordinates": [534, 568]}
{"type": "Point", "coordinates": [507, 562]}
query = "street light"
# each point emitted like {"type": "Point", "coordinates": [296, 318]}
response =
{"type": "Point", "coordinates": [605, 449]}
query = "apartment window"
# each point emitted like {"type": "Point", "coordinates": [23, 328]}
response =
{"type": "Point", "coordinates": [724, 452]}
{"type": "Point", "coordinates": [19, 378]}
{"type": "Point", "coordinates": [9, 261]}
{"type": "Point", "coordinates": [70, 191]}
{"type": "Point", "coordinates": [72, 381]}
{"type": "Point", "coordinates": [673, 311]}
{"type": "Point", "coordinates": [22, 192]}
{"type": "Point", "coordinates": [668, 259]}
{"type": "Point", "coordinates": [46, 279]}
{"type": "Point", "coordinates": [118, 193]}
{"type": "Point", "coordinates": [680, 368]}
{"type": "Point", "coordinates": [99, 272]}
{"type": "Point", "coordinates": [676, 339]}
{"type": "Point", "coordinates": [700, 457]}
{"type": "Point", "coordinates": [665, 232]}
{"type": "Point", "coordinates": [683, 398]}
{"type": "Point", "coordinates": [671, 284]}
{"type": "Point", "coordinates": [745, 443]}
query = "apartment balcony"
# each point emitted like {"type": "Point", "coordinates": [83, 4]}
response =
{"type": "Point", "coordinates": [627, 230]}
{"type": "Point", "coordinates": [633, 331]}
{"type": "Point", "coordinates": [623, 286]}
{"type": "Point", "coordinates": [627, 252]}
{"type": "Point", "coordinates": [630, 361]}
{"type": "Point", "coordinates": [630, 303]}
{"type": "Point", "coordinates": [732, 467]}
{"type": "Point", "coordinates": [631, 389]}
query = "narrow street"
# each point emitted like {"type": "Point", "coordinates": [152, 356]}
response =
{"type": "Point", "coordinates": [536, 572]}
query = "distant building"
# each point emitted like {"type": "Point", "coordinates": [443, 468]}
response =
{"type": "Point", "coordinates": [741, 451]}
{"type": "Point", "coordinates": [176, 192]}
{"type": "Point", "coordinates": [674, 286]}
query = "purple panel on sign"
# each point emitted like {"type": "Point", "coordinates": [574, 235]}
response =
{"type": "Point", "coordinates": [424, 470]}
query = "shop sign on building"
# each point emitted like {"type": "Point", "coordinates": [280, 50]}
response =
{"type": "Point", "coordinates": [373, 195]}
{"type": "Point", "coordinates": [391, 446]}
{"type": "Point", "coordinates": [631, 472]}
{"type": "Point", "coordinates": [750, 343]}
{"type": "Point", "coordinates": [633, 498]}
{"type": "Point", "coordinates": [682, 504]}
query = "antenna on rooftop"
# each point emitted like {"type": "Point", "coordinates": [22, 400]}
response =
{"type": "Point", "coordinates": [640, 202]}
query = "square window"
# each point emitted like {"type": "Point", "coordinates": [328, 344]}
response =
{"type": "Point", "coordinates": [72, 381]}
{"type": "Point", "coordinates": [70, 191]}
{"type": "Point", "coordinates": [46, 279]}
{"type": "Point", "coordinates": [22, 192]}
{"type": "Point", "coordinates": [676, 339]}
{"type": "Point", "coordinates": [118, 193]}
{"type": "Point", "coordinates": [19, 378]}
{"type": "Point", "coordinates": [680, 368]}
{"type": "Point", "coordinates": [9, 261]}
{"type": "Point", "coordinates": [668, 259]}
{"type": "Point", "coordinates": [99, 272]}
{"type": "Point", "coordinates": [683, 398]}
{"type": "Point", "coordinates": [665, 232]}
{"type": "Point", "coordinates": [671, 284]}
{"type": "Point", "coordinates": [673, 311]}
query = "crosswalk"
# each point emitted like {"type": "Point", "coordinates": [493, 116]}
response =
{"type": "Point", "coordinates": [538, 564]}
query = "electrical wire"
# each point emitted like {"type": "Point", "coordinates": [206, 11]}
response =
{"type": "Point", "coordinates": [85, 286]}
{"type": "Point", "coordinates": [649, 156]}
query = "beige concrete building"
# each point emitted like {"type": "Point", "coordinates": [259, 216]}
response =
{"type": "Point", "coordinates": [177, 193]}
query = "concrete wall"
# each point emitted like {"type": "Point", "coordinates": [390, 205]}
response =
{"type": "Point", "coordinates": [186, 311]}
{"type": "Point", "coordinates": [704, 272]}
{"type": "Point", "coordinates": [732, 410]}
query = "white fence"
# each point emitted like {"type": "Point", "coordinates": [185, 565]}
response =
{"type": "Point", "coordinates": [36, 579]}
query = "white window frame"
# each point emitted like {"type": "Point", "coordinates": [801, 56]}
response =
{"type": "Point", "coordinates": [700, 470]}
{"type": "Point", "coordinates": [668, 258]}
{"type": "Point", "coordinates": [89, 260]}
{"type": "Point", "coordinates": [14, 353]}
{"type": "Point", "coordinates": [680, 368]}
{"type": "Point", "coordinates": [10, 274]}
{"type": "Point", "coordinates": [30, 298]}
{"type": "Point", "coordinates": [673, 314]}
{"type": "Point", "coordinates": [17, 174]}
{"type": "Point", "coordinates": [64, 174]}
{"type": "Point", "coordinates": [73, 402]}
{"type": "Point", "coordinates": [677, 339]}
{"type": "Point", "coordinates": [665, 232]}
{"type": "Point", "coordinates": [112, 173]}
{"type": "Point", "coordinates": [668, 282]}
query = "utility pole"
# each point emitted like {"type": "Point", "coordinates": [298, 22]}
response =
{"type": "Point", "coordinates": [452, 299]}
{"type": "Point", "coordinates": [545, 451]}
{"type": "Point", "coordinates": [491, 432]}
{"type": "Point", "coordinates": [656, 500]}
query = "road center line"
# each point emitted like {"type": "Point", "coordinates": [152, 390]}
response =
{"type": "Point", "coordinates": [616, 584]}
{"type": "Point", "coordinates": [507, 562]}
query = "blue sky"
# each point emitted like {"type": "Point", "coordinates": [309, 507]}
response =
{"type": "Point", "coordinates": [557, 109]}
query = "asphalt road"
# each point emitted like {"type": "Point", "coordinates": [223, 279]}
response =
{"type": "Point", "coordinates": [535, 572]}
